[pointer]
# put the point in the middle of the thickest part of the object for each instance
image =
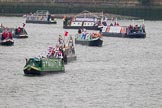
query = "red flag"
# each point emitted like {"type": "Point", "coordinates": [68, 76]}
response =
{"type": "Point", "coordinates": [66, 33]}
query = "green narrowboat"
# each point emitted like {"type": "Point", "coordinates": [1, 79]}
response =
{"type": "Point", "coordinates": [39, 66]}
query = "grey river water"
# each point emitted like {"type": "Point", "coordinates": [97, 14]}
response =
{"type": "Point", "coordinates": [124, 73]}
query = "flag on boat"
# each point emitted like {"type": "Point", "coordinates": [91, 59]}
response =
{"type": "Point", "coordinates": [66, 33]}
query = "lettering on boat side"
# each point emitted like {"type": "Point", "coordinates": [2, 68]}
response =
{"type": "Point", "coordinates": [51, 63]}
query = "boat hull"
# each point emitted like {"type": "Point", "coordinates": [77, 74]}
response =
{"type": "Point", "coordinates": [21, 36]}
{"type": "Point", "coordinates": [113, 34]}
{"type": "Point", "coordinates": [80, 27]}
{"type": "Point", "coordinates": [130, 35]}
{"type": "Point", "coordinates": [31, 71]}
{"type": "Point", "coordinates": [7, 42]}
{"type": "Point", "coordinates": [36, 66]}
{"type": "Point", "coordinates": [70, 58]}
{"type": "Point", "coordinates": [136, 35]}
{"type": "Point", "coordinates": [40, 22]}
{"type": "Point", "coordinates": [94, 42]}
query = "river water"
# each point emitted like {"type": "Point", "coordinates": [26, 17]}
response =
{"type": "Point", "coordinates": [124, 73]}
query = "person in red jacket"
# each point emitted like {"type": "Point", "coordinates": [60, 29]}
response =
{"type": "Point", "coordinates": [4, 35]}
{"type": "Point", "coordinates": [10, 34]}
{"type": "Point", "coordinates": [18, 30]}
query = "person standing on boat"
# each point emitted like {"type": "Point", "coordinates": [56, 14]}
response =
{"type": "Point", "coordinates": [61, 53]}
{"type": "Point", "coordinates": [84, 33]}
{"type": "Point", "coordinates": [143, 27]}
{"type": "Point", "coordinates": [70, 42]}
{"type": "Point", "coordinates": [71, 45]}
{"type": "Point", "coordinates": [60, 41]}
{"type": "Point", "coordinates": [10, 34]}
{"type": "Point", "coordinates": [49, 17]}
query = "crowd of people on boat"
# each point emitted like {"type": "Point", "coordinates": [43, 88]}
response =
{"type": "Point", "coordinates": [55, 52]}
{"type": "Point", "coordinates": [6, 34]}
{"type": "Point", "coordinates": [115, 24]}
{"type": "Point", "coordinates": [58, 50]}
{"type": "Point", "coordinates": [136, 28]}
{"type": "Point", "coordinates": [85, 35]}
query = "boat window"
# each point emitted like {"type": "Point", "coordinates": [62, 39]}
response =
{"type": "Point", "coordinates": [38, 63]}
{"type": "Point", "coordinates": [30, 61]}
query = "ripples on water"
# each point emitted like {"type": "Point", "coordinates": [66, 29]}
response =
{"type": "Point", "coordinates": [124, 73]}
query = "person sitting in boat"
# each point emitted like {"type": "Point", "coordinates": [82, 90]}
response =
{"type": "Point", "coordinates": [104, 23]}
{"type": "Point", "coordinates": [136, 28]}
{"type": "Point", "coordinates": [115, 24]}
{"type": "Point", "coordinates": [84, 34]}
{"type": "Point", "coordinates": [18, 30]}
{"type": "Point", "coordinates": [79, 31]}
{"type": "Point", "coordinates": [111, 24]}
{"type": "Point", "coordinates": [130, 28]}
